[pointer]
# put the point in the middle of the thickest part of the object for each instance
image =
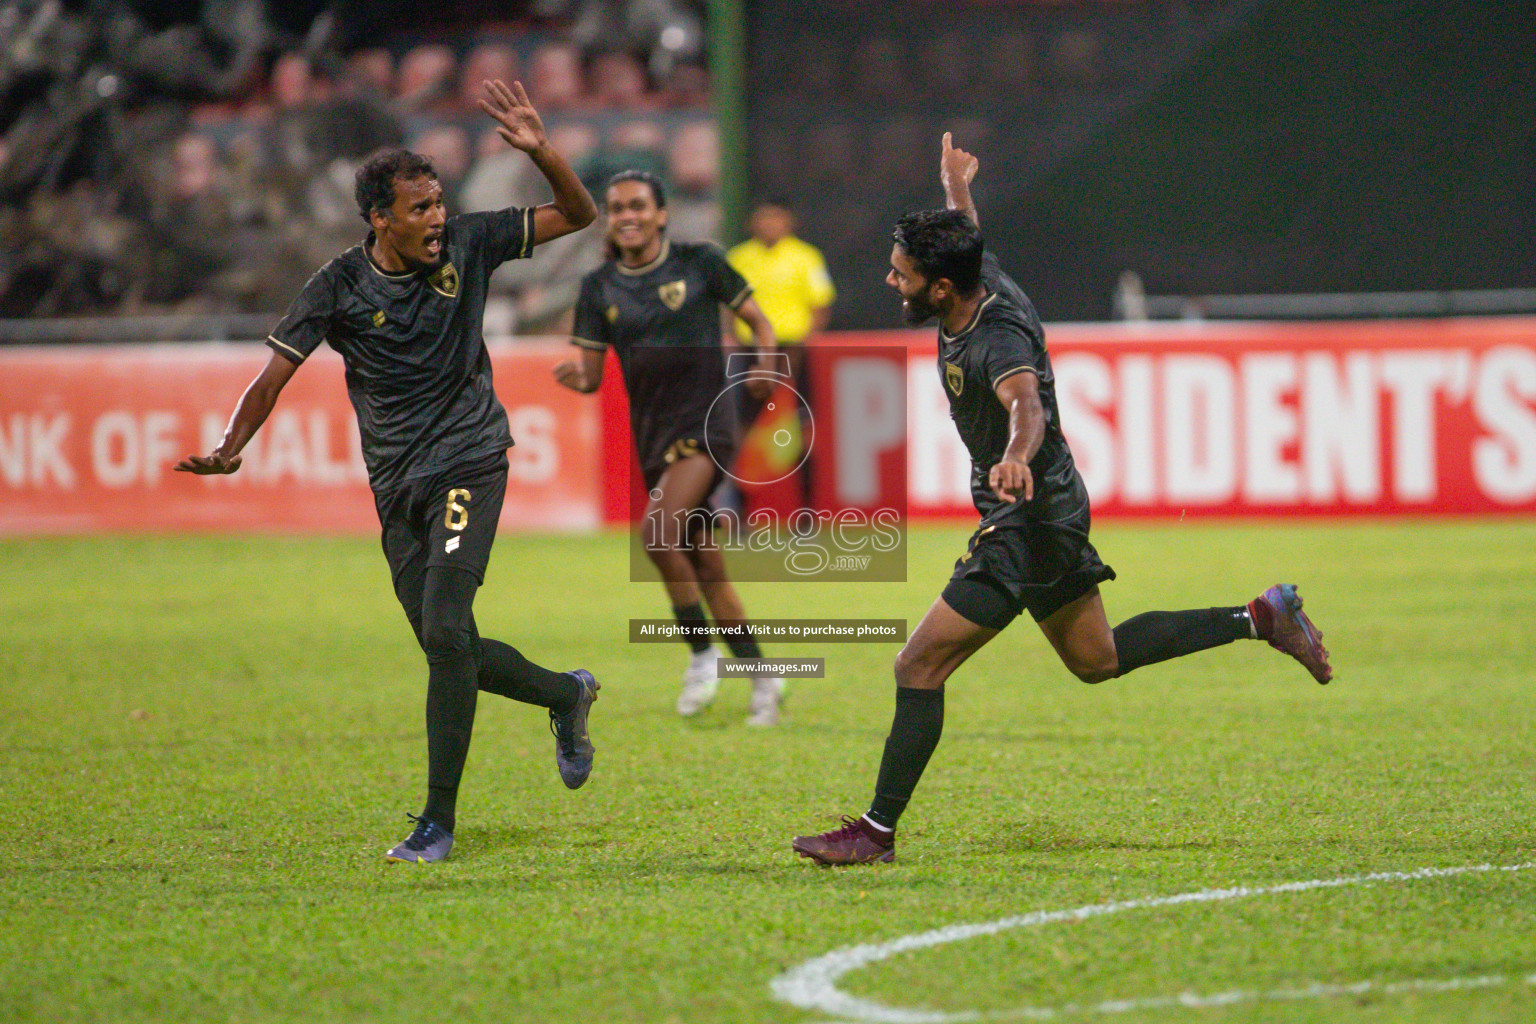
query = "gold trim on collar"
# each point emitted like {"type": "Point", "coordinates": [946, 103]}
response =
{"type": "Point", "coordinates": [969, 327]}
{"type": "Point", "coordinates": [661, 257]}
{"type": "Point", "coordinates": [386, 275]}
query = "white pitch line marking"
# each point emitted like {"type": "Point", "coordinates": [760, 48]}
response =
{"type": "Point", "coordinates": [813, 984]}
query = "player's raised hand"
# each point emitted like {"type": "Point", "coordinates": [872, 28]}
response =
{"type": "Point", "coordinates": [956, 169]}
{"type": "Point", "coordinates": [1011, 480]}
{"type": "Point", "coordinates": [214, 464]}
{"type": "Point", "coordinates": [956, 166]}
{"type": "Point", "coordinates": [518, 122]}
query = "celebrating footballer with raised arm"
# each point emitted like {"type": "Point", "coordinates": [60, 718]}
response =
{"type": "Point", "coordinates": [1031, 550]}
{"type": "Point", "coordinates": [405, 310]}
{"type": "Point", "coordinates": [657, 303]}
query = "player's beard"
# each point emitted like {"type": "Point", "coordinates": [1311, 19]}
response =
{"type": "Point", "coordinates": [916, 310]}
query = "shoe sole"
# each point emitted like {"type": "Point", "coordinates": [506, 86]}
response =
{"type": "Point", "coordinates": [390, 858]}
{"type": "Point", "coordinates": [582, 677]}
{"type": "Point", "coordinates": [887, 857]}
{"type": "Point", "coordinates": [1310, 633]}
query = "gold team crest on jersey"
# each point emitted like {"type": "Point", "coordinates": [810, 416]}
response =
{"type": "Point", "coordinates": [954, 378]}
{"type": "Point", "coordinates": [445, 280]}
{"type": "Point", "coordinates": [613, 314]}
{"type": "Point", "coordinates": [378, 318]}
{"type": "Point", "coordinates": [673, 294]}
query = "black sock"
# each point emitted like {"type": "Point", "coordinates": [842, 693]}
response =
{"type": "Point", "coordinates": [453, 654]}
{"type": "Point", "coordinates": [741, 642]}
{"type": "Point", "coordinates": [451, 694]}
{"type": "Point", "coordinates": [1157, 636]}
{"type": "Point", "coordinates": [695, 626]}
{"type": "Point", "coordinates": [506, 673]}
{"type": "Point", "coordinates": [915, 732]}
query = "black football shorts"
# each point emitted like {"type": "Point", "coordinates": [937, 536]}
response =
{"type": "Point", "coordinates": [446, 519]}
{"type": "Point", "coordinates": [1042, 566]}
{"type": "Point", "coordinates": [721, 451]}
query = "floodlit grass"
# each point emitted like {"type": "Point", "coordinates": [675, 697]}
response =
{"type": "Point", "coordinates": [208, 744]}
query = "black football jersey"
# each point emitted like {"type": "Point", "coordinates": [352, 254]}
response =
{"type": "Point", "coordinates": [417, 369]}
{"type": "Point", "coordinates": [663, 321]}
{"type": "Point", "coordinates": [1005, 338]}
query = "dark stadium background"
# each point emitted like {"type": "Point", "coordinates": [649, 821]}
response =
{"type": "Point", "coordinates": [1206, 146]}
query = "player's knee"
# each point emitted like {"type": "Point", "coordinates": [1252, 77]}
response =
{"type": "Point", "coordinates": [709, 572]}
{"type": "Point", "coordinates": [446, 640]}
{"type": "Point", "coordinates": [1094, 669]}
{"type": "Point", "coordinates": [663, 551]}
{"type": "Point", "coordinates": [914, 668]}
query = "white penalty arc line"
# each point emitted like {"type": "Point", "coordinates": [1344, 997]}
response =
{"type": "Point", "coordinates": [813, 984]}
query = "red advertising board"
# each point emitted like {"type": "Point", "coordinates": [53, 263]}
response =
{"type": "Point", "coordinates": [88, 437]}
{"type": "Point", "coordinates": [1393, 417]}
{"type": "Point", "coordinates": [1333, 418]}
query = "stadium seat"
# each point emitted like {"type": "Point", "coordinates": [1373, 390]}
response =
{"type": "Point", "coordinates": [426, 76]}
{"type": "Point", "coordinates": [488, 61]}
{"type": "Point", "coordinates": [618, 83]}
{"type": "Point", "coordinates": [556, 81]}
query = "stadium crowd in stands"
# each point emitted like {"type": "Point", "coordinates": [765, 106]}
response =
{"type": "Point", "coordinates": [206, 166]}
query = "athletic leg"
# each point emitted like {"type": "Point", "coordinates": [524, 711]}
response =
{"type": "Point", "coordinates": [1093, 652]}
{"type": "Point", "coordinates": [1082, 638]}
{"type": "Point", "coordinates": [672, 527]}
{"type": "Point", "coordinates": [725, 604]}
{"type": "Point", "coordinates": [682, 490]}
{"type": "Point", "coordinates": [505, 672]}
{"type": "Point", "coordinates": [715, 584]}
{"type": "Point", "coordinates": [453, 665]}
{"type": "Point", "coordinates": [941, 643]}
{"type": "Point", "coordinates": [404, 548]}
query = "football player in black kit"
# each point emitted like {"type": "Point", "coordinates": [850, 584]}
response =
{"type": "Point", "coordinates": [404, 309]}
{"type": "Point", "coordinates": [1031, 550]}
{"type": "Point", "coordinates": [657, 302]}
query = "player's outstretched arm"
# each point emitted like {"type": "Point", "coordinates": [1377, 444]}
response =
{"type": "Point", "coordinates": [1011, 479]}
{"type": "Point", "coordinates": [522, 128]}
{"type": "Point", "coordinates": [250, 413]}
{"type": "Point", "coordinates": [584, 375]}
{"type": "Point", "coordinates": [956, 169]}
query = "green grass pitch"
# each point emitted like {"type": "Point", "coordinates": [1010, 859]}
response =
{"type": "Point", "coordinates": [209, 743]}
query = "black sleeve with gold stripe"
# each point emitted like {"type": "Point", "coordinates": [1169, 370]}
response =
{"type": "Point", "coordinates": [503, 234]}
{"type": "Point", "coordinates": [592, 328]}
{"type": "Point", "coordinates": [308, 320]}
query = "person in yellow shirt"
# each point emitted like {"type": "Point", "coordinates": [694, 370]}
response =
{"type": "Point", "coordinates": [788, 275]}
{"type": "Point", "coordinates": [790, 280]}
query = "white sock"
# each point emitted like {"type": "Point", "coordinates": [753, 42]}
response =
{"type": "Point", "coordinates": [876, 825]}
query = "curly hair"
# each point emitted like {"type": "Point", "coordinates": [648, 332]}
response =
{"type": "Point", "coordinates": [943, 243]}
{"type": "Point", "coordinates": [374, 186]}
